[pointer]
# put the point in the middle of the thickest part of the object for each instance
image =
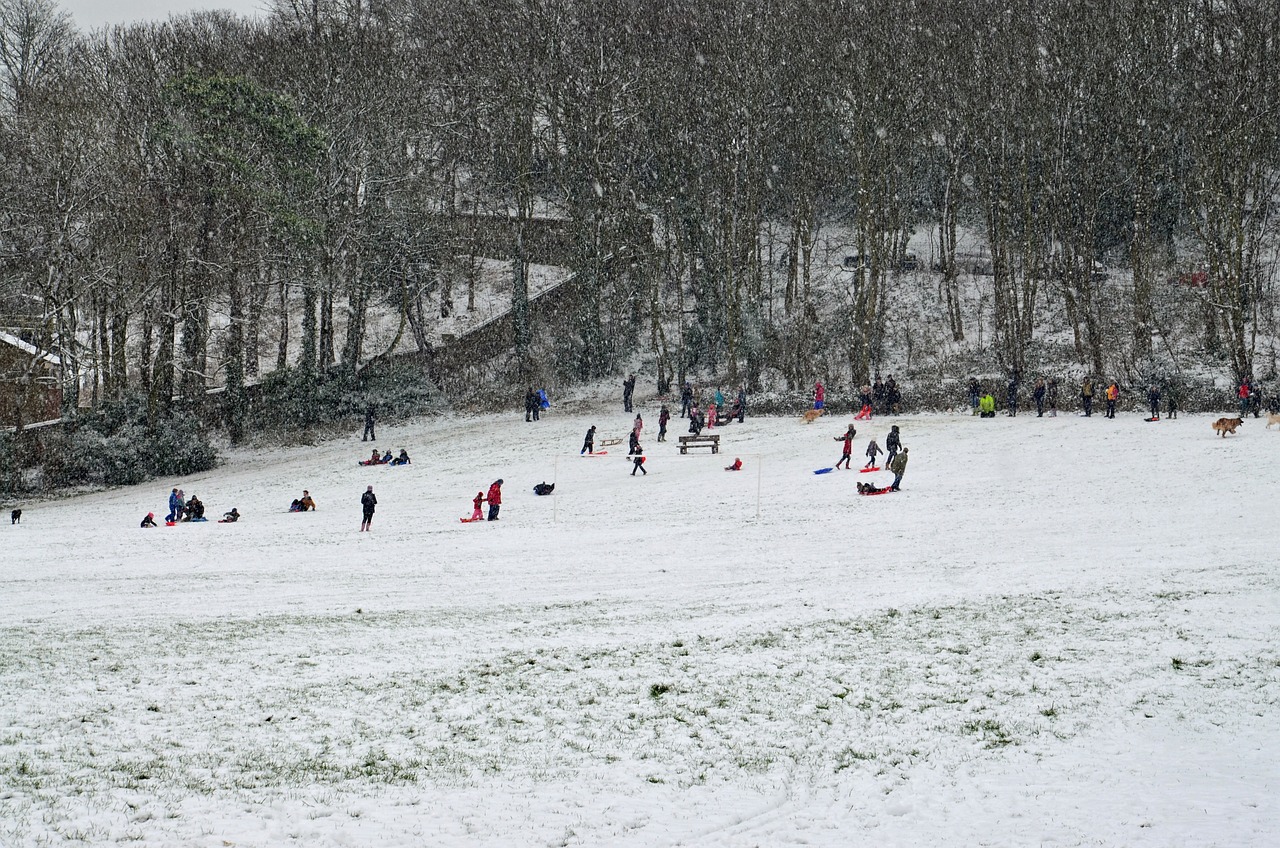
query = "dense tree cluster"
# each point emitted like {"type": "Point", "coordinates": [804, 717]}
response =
{"type": "Point", "coordinates": [168, 189]}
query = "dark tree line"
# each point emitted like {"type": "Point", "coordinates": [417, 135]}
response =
{"type": "Point", "coordinates": [171, 190]}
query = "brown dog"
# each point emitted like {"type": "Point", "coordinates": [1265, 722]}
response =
{"type": "Point", "coordinates": [812, 415]}
{"type": "Point", "coordinates": [1223, 426]}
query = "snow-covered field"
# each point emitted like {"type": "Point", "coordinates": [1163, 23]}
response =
{"type": "Point", "coordinates": [1062, 632]}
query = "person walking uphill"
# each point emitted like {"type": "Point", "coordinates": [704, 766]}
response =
{"type": "Point", "coordinates": [367, 502]}
{"type": "Point", "coordinates": [495, 499]}
{"type": "Point", "coordinates": [899, 467]}
{"type": "Point", "coordinates": [846, 452]}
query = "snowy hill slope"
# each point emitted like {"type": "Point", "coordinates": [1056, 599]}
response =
{"type": "Point", "coordinates": [1063, 631]}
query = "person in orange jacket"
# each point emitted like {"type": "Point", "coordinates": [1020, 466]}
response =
{"type": "Point", "coordinates": [1113, 394]}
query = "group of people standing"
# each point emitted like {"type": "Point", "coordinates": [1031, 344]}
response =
{"type": "Point", "coordinates": [879, 398]}
{"type": "Point", "coordinates": [1045, 394]}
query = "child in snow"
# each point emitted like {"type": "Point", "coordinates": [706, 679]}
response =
{"type": "Point", "coordinates": [846, 452]}
{"type": "Point", "coordinates": [633, 444]}
{"type": "Point", "coordinates": [737, 465]}
{"type": "Point", "coordinates": [664, 415]}
{"type": "Point", "coordinates": [476, 513]}
{"type": "Point", "coordinates": [872, 450]}
{"type": "Point", "coordinates": [386, 458]}
{"type": "Point", "coordinates": [638, 465]}
{"type": "Point", "coordinates": [373, 459]}
{"type": "Point", "coordinates": [402, 459]}
{"type": "Point", "coordinates": [149, 520]}
{"type": "Point", "coordinates": [819, 395]}
{"type": "Point", "coordinates": [231, 517]}
{"type": "Point", "coordinates": [711, 416]}
{"type": "Point", "coordinates": [194, 510]}
{"type": "Point", "coordinates": [589, 442]}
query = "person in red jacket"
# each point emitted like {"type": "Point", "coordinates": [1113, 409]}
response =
{"type": "Point", "coordinates": [495, 499]}
{"type": "Point", "coordinates": [476, 514]}
{"type": "Point", "coordinates": [846, 452]}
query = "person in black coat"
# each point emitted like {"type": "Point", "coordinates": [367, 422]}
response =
{"type": "Point", "coordinates": [368, 426]}
{"type": "Point", "coordinates": [628, 389]}
{"type": "Point", "coordinates": [532, 405]}
{"type": "Point", "coordinates": [1038, 393]}
{"type": "Point", "coordinates": [589, 441]}
{"type": "Point", "coordinates": [367, 503]}
{"type": "Point", "coordinates": [892, 444]}
{"type": "Point", "coordinates": [686, 399]}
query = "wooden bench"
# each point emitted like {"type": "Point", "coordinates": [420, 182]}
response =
{"type": "Point", "coordinates": [711, 441]}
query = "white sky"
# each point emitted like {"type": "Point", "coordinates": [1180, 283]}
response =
{"type": "Point", "coordinates": [90, 14]}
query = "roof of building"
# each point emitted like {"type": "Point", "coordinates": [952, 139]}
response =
{"type": "Point", "coordinates": [27, 347]}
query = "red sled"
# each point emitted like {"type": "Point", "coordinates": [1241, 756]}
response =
{"type": "Point", "coordinates": [596, 453]}
{"type": "Point", "coordinates": [883, 491]}
{"type": "Point", "coordinates": [864, 414]}
{"type": "Point", "coordinates": [171, 524]}
{"type": "Point", "coordinates": [872, 468]}
{"type": "Point", "coordinates": [469, 520]}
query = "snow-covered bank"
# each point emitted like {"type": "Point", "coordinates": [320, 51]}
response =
{"type": "Point", "coordinates": [1063, 631]}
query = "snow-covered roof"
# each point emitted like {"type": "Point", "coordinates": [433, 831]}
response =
{"type": "Point", "coordinates": [27, 347]}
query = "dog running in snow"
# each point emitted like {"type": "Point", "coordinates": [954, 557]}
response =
{"type": "Point", "coordinates": [1223, 426]}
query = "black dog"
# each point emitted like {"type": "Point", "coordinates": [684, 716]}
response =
{"type": "Point", "coordinates": [16, 515]}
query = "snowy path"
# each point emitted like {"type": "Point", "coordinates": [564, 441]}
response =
{"type": "Point", "coordinates": [1062, 632]}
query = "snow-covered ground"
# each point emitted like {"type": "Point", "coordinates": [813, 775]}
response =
{"type": "Point", "coordinates": [1062, 632]}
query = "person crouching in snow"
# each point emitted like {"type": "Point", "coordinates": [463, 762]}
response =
{"type": "Point", "coordinates": [149, 520]}
{"type": "Point", "coordinates": [872, 450]}
{"type": "Point", "coordinates": [737, 465]}
{"type": "Point", "coordinates": [476, 512]}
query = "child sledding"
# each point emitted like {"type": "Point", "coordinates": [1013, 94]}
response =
{"type": "Point", "coordinates": [378, 459]}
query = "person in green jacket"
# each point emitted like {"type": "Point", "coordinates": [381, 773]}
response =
{"type": "Point", "coordinates": [987, 406]}
{"type": "Point", "coordinates": [898, 467]}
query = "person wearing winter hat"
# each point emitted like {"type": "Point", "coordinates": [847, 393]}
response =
{"type": "Point", "coordinates": [149, 520]}
{"type": "Point", "coordinates": [494, 497]}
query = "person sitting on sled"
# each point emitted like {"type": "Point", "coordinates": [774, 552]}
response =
{"type": "Point", "coordinates": [303, 504]}
{"type": "Point", "coordinates": [737, 465]}
{"type": "Point", "coordinates": [194, 509]}
{"type": "Point", "coordinates": [373, 459]}
{"type": "Point", "coordinates": [231, 517]}
{"type": "Point", "coordinates": [149, 520]}
{"type": "Point", "coordinates": [872, 450]}
{"type": "Point", "coordinates": [869, 489]}
{"type": "Point", "coordinates": [386, 458]}
{"type": "Point", "coordinates": [402, 459]}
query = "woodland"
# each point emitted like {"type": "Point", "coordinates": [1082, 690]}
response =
{"type": "Point", "coordinates": [214, 201]}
